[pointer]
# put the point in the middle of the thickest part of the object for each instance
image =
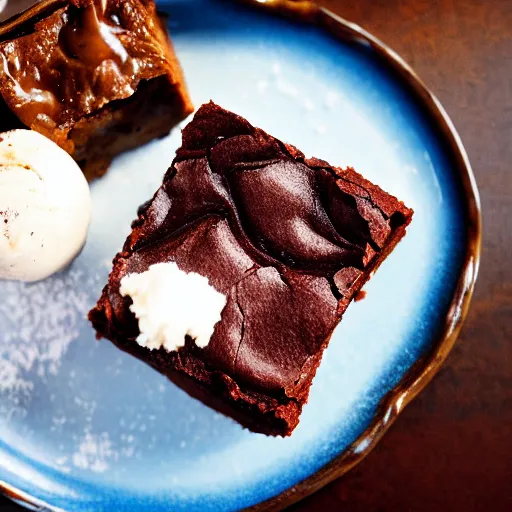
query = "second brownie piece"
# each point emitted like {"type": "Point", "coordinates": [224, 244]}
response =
{"type": "Point", "coordinates": [96, 76]}
{"type": "Point", "coordinates": [288, 241]}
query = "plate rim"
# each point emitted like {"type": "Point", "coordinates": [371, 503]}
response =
{"type": "Point", "coordinates": [425, 368]}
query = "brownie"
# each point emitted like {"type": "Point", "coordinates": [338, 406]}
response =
{"type": "Point", "coordinates": [290, 241]}
{"type": "Point", "coordinates": [96, 76]}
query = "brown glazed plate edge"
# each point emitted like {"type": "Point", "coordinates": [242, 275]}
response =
{"type": "Point", "coordinates": [422, 372]}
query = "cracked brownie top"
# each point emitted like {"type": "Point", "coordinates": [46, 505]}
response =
{"type": "Point", "coordinates": [286, 239]}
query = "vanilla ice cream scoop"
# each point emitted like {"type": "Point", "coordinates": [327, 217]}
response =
{"type": "Point", "coordinates": [45, 207]}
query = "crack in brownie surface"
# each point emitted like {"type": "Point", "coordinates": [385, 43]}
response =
{"type": "Point", "coordinates": [289, 241]}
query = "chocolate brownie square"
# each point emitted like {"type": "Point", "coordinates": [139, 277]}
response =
{"type": "Point", "coordinates": [289, 241]}
{"type": "Point", "coordinates": [96, 76]}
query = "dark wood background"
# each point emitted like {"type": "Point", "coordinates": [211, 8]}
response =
{"type": "Point", "coordinates": [451, 450]}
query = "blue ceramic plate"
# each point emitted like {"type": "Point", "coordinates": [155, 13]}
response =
{"type": "Point", "coordinates": [84, 427]}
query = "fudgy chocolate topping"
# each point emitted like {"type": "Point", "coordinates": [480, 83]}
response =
{"type": "Point", "coordinates": [78, 59]}
{"type": "Point", "coordinates": [284, 238]}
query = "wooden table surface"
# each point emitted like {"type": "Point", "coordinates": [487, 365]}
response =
{"type": "Point", "coordinates": [451, 450]}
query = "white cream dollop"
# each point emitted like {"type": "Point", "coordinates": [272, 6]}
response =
{"type": "Point", "coordinates": [171, 304]}
{"type": "Point", "coordinates": [45, 207]}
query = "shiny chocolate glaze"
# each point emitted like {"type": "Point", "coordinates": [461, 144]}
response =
{"type": "Point", "coordinates": [288, 240]}
{"type": "Point", "coordinates": [74, 70]}
{"type": "Point", "coordinates": [78, 59]}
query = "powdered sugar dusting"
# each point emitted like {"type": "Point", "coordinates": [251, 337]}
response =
{"type": "Point", "coordinates": [94, 452]}
{"type": "Point", "coordinates": [38, 323]}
